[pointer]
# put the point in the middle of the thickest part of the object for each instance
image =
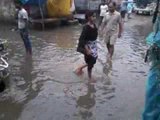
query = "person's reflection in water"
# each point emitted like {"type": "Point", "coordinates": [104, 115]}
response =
{"type": "Point", "coordinates": [107, 68]}
{"type": "Point", "coordinates": [27, 70]}
{"type": "Point", "coordinates": [86, 103]}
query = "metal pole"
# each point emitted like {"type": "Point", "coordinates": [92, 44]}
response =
{"type": "Point", "coordinates": [42, 16]}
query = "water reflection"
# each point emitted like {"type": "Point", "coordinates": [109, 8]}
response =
{"type": "Point", "coordinates": [65, 38]}
{"type": "Point", "coordinates": [107, 68]}
{"type": "Point", "coordinates": [9, 111]}
{"type": "Point", "coordinates": [27, 69]}
{"type": "Point", "coordinates": [86, 104]}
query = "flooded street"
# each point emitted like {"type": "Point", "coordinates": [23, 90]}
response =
{"type": "Point", "coordinates": [46, 88]}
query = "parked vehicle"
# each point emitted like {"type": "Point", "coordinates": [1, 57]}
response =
{"type": "Point", "coordinates": [148, 10]}
{"type": "Point", "coordinates": [134, 7]}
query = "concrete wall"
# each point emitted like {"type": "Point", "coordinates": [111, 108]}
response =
{"type": "Point", "coordinates": [83, 5]}
{"type": "Point", "coordinates": [94, 4]}
{"type": "Point", "coordinates": [7, 9]}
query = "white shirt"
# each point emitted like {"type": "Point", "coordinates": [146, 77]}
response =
{"type": "Point", "coordinates": [104, 9]}
{"type": "Point", "coordinates": [22, 15]}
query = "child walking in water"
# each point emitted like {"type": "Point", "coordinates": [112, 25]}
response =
{"type": "Point", "coordinates": [87, 45]}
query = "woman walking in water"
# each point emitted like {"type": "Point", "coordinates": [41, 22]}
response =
{"type": "Point", "coordinates": [87, 45]}
{"type": "Point", "coordinates": [152, 103]}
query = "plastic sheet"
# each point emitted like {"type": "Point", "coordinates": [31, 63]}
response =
{"type": "Point", "coordinates": [59, 8]}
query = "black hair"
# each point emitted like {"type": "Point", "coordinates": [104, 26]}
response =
{"type": "Point", "coordinates": [88, 15]}
{"type": "Point", "coordinates": [113, 3]}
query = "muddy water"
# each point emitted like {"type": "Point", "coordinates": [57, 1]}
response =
{"type": "Point", "coordinates": [44, 87]}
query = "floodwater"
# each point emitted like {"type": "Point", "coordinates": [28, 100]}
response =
{"type": "Point", "coordinates": [45, 87]}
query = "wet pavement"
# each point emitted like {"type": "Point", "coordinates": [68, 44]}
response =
{"type": "Point", "coordinates": [45, 87]}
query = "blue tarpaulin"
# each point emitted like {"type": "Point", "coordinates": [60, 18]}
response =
{"type": "Point", "coordinates": [33, 2]}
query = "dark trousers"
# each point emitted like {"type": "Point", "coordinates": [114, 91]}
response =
{"type": "Point", "coordinates": [25, 37]}
{"type": "Point", "coordinates": [90, 60]}
{"type": "Point", "coordinates": [123, 14]}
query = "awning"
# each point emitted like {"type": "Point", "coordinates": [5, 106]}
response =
{"type": "Point", "coordinates": [33, 2]}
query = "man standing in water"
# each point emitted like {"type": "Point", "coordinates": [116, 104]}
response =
{"type": "Point", "coordinates": [23, 27]}
{"type": "Point", "coordinates": [112, 28]}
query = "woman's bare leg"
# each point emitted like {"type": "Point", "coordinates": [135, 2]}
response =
{"type": "Point", "coordinates": [79, 70]}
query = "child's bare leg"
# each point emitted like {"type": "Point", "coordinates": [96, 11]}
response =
{"type": "Point", "coordinates": [90, 72]}
{"type": "Point", "coordinates": [90, 67]}
{"type": "Point", "coordinates": [79, 70]}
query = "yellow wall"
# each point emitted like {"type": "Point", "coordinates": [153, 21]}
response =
{"type": "Point", "coordinates": [59, 8]}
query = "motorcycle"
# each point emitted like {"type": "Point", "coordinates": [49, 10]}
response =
{"type": "Point", "coordinates": [4, 66]}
